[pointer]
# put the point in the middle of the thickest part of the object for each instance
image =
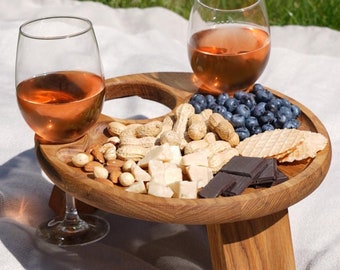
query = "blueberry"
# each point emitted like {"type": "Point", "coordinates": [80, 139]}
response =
{"type": "Point", "coordinates": [285, 102]}
{"type": "Point", "coordinates": [210, 99]}
{"type": "Point", "coordinates": [196, 106]}
{"type": "Point", "coordinates": [255, 130]}
{"type": "Point", "coordinates": [212, 106]}
{"type": "Point", "coordinates": [292, 123]}
{"type": "Point", "coordinates": [281, 119]}
{"type": "Point", "coordinates": [267, 127]}
{"type": "Point", "coordinates": [259, 109]}
{"type": "Point", "coordinates": [200, 99]}
{"type": "Point", "coordinates": [221, 99]}
{"type": "Point", "coordinates": [274, 104]}
{"type": "Point", "coordinates": [270, 94]}
{"type": "Point", "coordinates": [243, 110]}
{"type": "Point", "coordinates": [239, 94]}
{"type": "Point", "coordinates": [263, 95]}
{"type": "Point", "coordinates": [251, 122]}
{"type": "Point", "coordinates": [249, 100]}
{"type": "Point", "coordinates": [197, 96]}
{"type": "Point", "coordinates": [257, 87]}
{"type": "Point", "coordinates": [219, 109]}
{"type": "Point", "coordinates": [238, 120]}
{"type": "Point", "coordinates": [295, 110]}
{"type": "Point", "coordinates": [242, 132]}
{"type": "Point", "coordinates": [287, 112]}
{"type": "Point", "coordinates": [267, 118]}
{"type": "Point", "coordinates": [231, 104]}
{"type": "Point", "coordinates": [227, 115]}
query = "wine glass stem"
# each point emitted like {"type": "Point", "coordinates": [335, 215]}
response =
{"type": "Point", "coordinates": [72, 222]}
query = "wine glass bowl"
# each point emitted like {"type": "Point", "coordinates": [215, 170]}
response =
{"type": "Point", "coordinates": [59, 80]}
{"type": "Point", "coordinates": [228, 43]}
{"type": "Point", "coordinates": [61, 106]}
{"type": "Point", "coordinates": [60, 91]}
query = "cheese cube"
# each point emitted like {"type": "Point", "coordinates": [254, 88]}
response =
{"type": "Point", "coordinates": [137, 187]}
{"type": "Point", "coordinates": [200, 174]}
{"type": "Point", "coordinates": [197, 158]}
{"type": "Point", "coordinates": [159, 152]}
{"type": "Point", "coordinates": [140, 174]}
{"type": "Point", "coordinates": [156, 168]}
{"type": "Point", "coordinates": [187, 190]}
{"type": "Point", "coordinates": [172, 173]}
{"type": "Point", "coordinates": [159, 190]}
{"type": "Point", "coordinates": [176, 154]}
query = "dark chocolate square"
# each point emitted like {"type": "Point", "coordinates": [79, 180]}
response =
{"type": "Point", "coordinates": [216, 186]}
{"type": "Point", "coordinates": [246, 166]}
{"type": "Point", "coordinates": [240, 183]}
{"type": "Point", "coordinates": [268, 174]}
{"type": "Point", "coordinates": [281, 177]}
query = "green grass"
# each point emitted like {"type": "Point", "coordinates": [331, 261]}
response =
{"type": "Point", "coordinates": [305, 12]}
{"type": "Point", "coordinates": [281, 12]}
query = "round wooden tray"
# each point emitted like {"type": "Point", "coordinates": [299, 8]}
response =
{"type": "Point", "coordinates": [172, 89]}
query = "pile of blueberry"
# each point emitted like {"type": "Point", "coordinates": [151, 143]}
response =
{"type": "Point", "coordinates": [250, 112]}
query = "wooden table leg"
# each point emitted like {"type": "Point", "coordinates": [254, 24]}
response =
{"type": "Point", "coordinates": [261, 243]}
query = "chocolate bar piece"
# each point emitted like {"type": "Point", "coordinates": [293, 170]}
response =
{"type": "Point", "coordinates": [246, 166]}
{"type": "Point", "coordinates": [240, 183]}
{"type": "Point", "coordinates": [281, 177]}
{"type": "Point", "coordinates": [268, 174]}
{"type": "Point", "coordinates": [216, 186]}
{"type": "Point", "coordinates": [241, 172]}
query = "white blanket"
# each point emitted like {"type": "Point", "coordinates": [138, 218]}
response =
{"type": "Point", "coordinates": [304, 64]}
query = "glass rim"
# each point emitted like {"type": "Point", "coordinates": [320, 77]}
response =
{"type": "Point", "coordinates": [227, 10]}
{"type": "Point", "coordinates": [86, 28]}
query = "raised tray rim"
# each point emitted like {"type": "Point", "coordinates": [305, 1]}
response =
{"type": "Point", "coordinates": [186, 211]}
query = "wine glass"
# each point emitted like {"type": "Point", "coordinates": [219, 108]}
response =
{"type": "Point", "coordinates": [60, 92]}
{"type": "Point", "coordinates": [228, 43]}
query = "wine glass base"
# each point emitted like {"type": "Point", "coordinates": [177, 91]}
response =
{"type": "Point", "coordinates": [89, 229]}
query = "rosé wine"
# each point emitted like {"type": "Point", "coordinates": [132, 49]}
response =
{"type": "Point", "coordinates": [60, 107]}
{"type": "Point", "coordinates": [229, 58]}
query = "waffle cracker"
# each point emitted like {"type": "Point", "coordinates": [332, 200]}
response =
{"type": "Point", "coordinates": [312, 143]}
{"type": "Point", "coordinates": [274, 143]}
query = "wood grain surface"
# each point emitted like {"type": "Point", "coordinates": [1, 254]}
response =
{"type": "Point", "coordinates": [172, 89]}
{"type": "Point", "coordinates": [248, 231]}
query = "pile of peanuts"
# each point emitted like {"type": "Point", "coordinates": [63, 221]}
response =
{"type": "Point", "coordinates": [121, 159]}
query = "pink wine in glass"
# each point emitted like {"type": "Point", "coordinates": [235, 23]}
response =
{"type": "Point", "coordinates": [229, 58]}
{"type": "Point", "coordinates": [62, 106]}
